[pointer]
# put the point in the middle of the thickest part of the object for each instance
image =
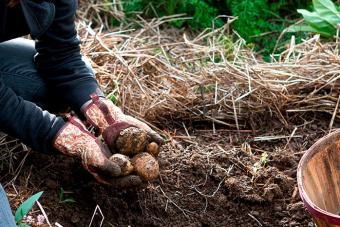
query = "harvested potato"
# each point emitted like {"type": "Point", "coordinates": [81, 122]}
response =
{"type": "Point", "coordinates": [123, 162]}
{"type": "Point", "coordinates": [146, 166]}
{"type": "Point", "coordinates": [153, 149]}
{"type": "Point", "coordinates": [132, 141]}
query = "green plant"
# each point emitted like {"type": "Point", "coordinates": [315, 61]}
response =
{"type": "Point", "coordinates": [323, 20]}
{"type": "Point", "coordinates": [64, 198]}
{"type": "Point", "coordinates": [113, 96]}
{"type": "Point", "coordinates": [203, 13]}
{"type": "Point", "coordinates": [24, 208]}
{"type": "Point", "coordinates": [262, 162]}
{"type": "Point", "coordinates": [262, 21]}
{"type": "Point", "coordinates": [133, 6]}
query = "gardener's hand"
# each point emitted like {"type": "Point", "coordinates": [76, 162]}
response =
{"type": "Point", "coordinates": [74, 140]}
{"type": "Point", "coordinates": [111, 121]}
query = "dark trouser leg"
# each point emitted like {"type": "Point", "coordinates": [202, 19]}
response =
{"type": "Point", "coordinates": [18, 72]}
{"type": "Point", "coordinates": [19, 77]}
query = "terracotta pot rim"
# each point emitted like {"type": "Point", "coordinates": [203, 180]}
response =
{"type": "Point", "coordinates": [312, 207]}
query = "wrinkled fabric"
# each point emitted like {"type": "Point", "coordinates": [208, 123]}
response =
{"type": "Point", "coordinates": [12, 22]}
{"type": "Point", "coordinates": [21, 89]}
{"type": "Point", "coordinates": [74, 140]}
{"type": "Point", "coordinates": [41, 19]}
{"type": "Point", "coordinates": [96, 117]}
{"type": "Point", "coordinates": [57, 60]}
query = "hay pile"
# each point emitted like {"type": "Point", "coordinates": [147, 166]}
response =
{"type": "Point", "coordinates": [165, 75]}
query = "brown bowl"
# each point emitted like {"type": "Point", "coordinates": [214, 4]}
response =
{"type": "Point", "coordinates": [318, 177]}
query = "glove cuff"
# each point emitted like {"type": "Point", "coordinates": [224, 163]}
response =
{"type": "Point", "coordinates": [100, 112]}
{"type": "Point", "coordinates": [73, 138]}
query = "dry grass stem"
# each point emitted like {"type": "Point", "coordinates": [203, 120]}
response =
{"type": "Point", "coordinates": [162, 75]}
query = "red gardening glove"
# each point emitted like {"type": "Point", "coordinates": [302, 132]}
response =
{"type": "Point", "coordinates": [111, 121]}
{"type": "Point", "coordinates": [74, 140]}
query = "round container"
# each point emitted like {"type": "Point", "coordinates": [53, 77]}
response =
{"type": "Point", "coordinates": [318, 177]}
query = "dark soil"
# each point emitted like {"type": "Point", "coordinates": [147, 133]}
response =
{"type": "Point", "coordinates": [207, 180]}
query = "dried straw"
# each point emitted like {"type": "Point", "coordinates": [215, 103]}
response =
{"type": "Point", "coordinates": [162, 75]}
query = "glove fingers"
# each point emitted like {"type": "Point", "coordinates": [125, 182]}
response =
{"type": "Point", "coordinates": [126, 182]}
{"type": "Point", "coordinates": [105, 150]}
{"type": "Point", "coordinates": [154, 136]}
{"type": "Point", "coordinates": [107, 170]}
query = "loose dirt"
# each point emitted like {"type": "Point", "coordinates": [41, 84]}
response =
{"type": "Point", "coordinates": [206, 180]}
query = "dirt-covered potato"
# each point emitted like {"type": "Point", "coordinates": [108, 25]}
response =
{"type": "Point", "coordinates": [153, 149]}
{"type": "Point", "coordinates": [146, 166]}
{"type": "Point", "coordinates": [132, 141]}
{"type": "Point", "coordinates": [123, 162]}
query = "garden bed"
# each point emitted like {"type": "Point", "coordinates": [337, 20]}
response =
{"type": "Point", "coordinates": [236, 128]}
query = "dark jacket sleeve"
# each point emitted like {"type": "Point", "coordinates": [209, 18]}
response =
{"type": "Point", "coordinates": [25, 121]}
{"type": "Point", "coordinates": [60, 61]}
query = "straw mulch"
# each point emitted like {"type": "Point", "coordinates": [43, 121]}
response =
{"type": "Point", "coordinates": [165, 75]}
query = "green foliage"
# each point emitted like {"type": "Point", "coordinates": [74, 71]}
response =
{"type": "Point", "coordinates": [201, 11]}
{"type": "Point", "coordinates": [133, 6]}
{"type": "Point", "coordinates": [114, 95]}
{"type": "Point", "coordinates": [64, 198]}
{"type": "Point", "coordinates": [251, 16]}
{"type": "Point", "coordinates": [24, 208]}
{"type": "Point", "coordinates": [262, 162]}
{"type": "Point", "coordinates": [323, 20]}
{"type": "Point", "coordinates": [262, 21]}
{"type": "Point", "coordinates": [259, 21]}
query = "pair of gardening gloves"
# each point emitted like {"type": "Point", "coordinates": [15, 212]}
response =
{"type": "Point", "coordinates": [75, 140]}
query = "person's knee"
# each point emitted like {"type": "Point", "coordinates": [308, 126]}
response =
{"type": "Point", "coordinates": [18, 71]}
